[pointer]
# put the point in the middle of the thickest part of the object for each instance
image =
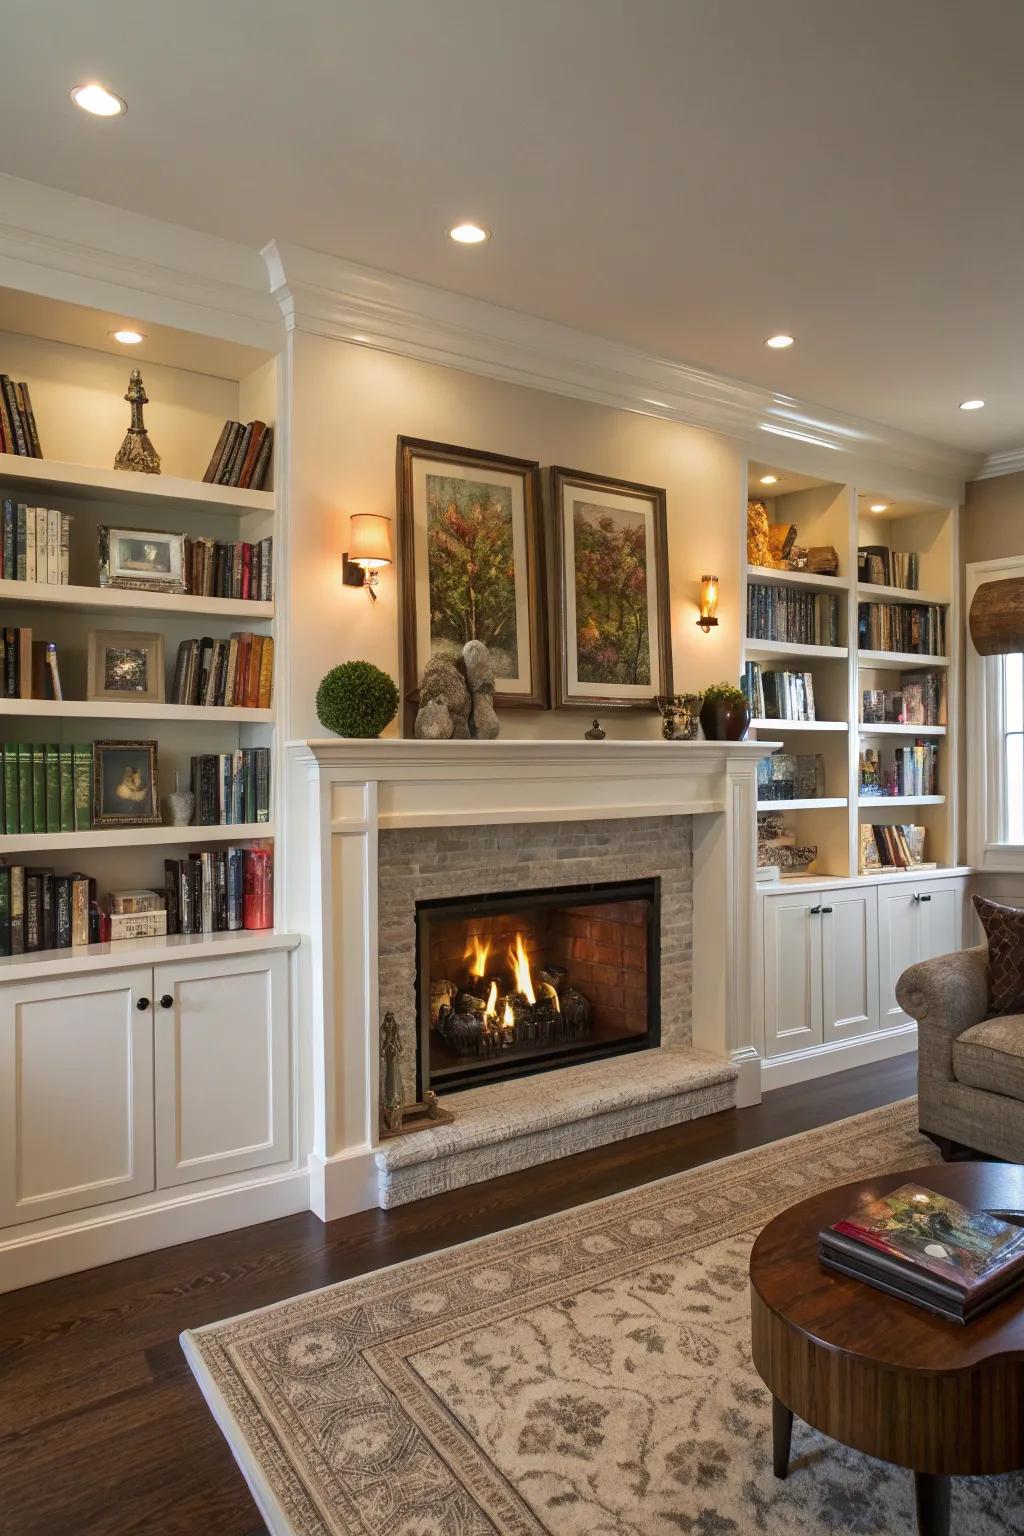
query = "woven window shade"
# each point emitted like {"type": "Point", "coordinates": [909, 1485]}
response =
{"type": "Point", "coordinates": [996, 619]}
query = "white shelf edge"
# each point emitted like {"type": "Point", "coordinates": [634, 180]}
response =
{"type": "Point", "coordinates": [42, 843]}
{"type": "Point", "coordinates": [766, 575]}
{"type": "Point", "coordinates": [869, 593]}
{"type": "Point", "coordinates": [901, 730]}
{"type": "Point", "coordinates": [50, 963]}
{"type": "Point", "coordinates": [830, 882]}
{"type": "Point", "coordinates": [900, 660]}
{"type": "Point", "coordinates": [120, 600]}
{"type": "Point", "coordinates": [103, 709]}
{"type": "Point", "coordinates": [869, 802]}
{"type": "Point", "coordinates": [782, 726]}
{"type": "Point", "coordinates": [753, 649]}
{"type": "Point", "coordinates": [824, 803]}
{"type": "Point", "coordinates": [89, 481]}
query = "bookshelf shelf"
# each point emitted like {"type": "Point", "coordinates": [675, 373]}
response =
{"type": "Point", "coordinates": [900, 660]}
{"type": "Point", "coordinates": [767, 650]}
{"type": "Point", "coordinates": [134, 837]}
{"type": "Point", "coordinates": [87, 709]}
{"type": "Point", "coordinates": [874, 802]}
{"type": "Point", "coordinates": [901, 730]}
{"type": "Point", "coordinates": [767, 575]}
{"type": "Point", "coordinates": [115, 600]}
{"type": "Point", "coordinates": [822, 803]}
{"type": "Point", "coordinates": [51, 964]}
{"type": "Point", "coordinates": [128, 487]}
{"type": "Point", "coordinates": [874, 594]}
{"type": "Point", "coordinates": [783, 727]}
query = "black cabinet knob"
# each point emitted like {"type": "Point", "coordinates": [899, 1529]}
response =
{"type": "Point", "coordinates": [167, 1001]}
{"type": "Point", "coordinates": [142, 1004]}
{"type": "Point", "coordinates": [814, 911]}
{"type": "Point", "coordinates": [826, 909]}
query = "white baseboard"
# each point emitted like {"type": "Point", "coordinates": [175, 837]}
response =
{"type": "Point", "coordinates": [822, 1060]}
{"type": "Point", "coordinates": [343, 1184]}
{"type": "Point", "coordinates": [748, 1084]}
{"type": "Point", "coordinates": [85, 1241]}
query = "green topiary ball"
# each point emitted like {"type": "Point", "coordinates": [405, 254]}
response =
{"type": "Point", "coordinates": [356, 699]}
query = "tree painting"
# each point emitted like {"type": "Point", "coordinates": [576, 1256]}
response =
{"type": "Point", "coordinates": [471, 569]}
{"type": "Point", "coordinates": [610, 560]}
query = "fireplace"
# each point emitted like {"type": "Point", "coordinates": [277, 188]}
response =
{"type": "Point", "coordinates": [518, 982]}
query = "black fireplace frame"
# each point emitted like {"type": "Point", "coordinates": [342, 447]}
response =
{"type": "Point", "coordinates": [644, 889]}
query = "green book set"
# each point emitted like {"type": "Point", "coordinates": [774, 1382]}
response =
{"type": "Point", "coordinates": [47, 787]}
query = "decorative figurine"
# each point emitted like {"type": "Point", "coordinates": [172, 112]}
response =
{"type": "Point", "coordinates": [596, 732]}
{"type": "Point", "coordinates": [137, 452]}
{"type": "Point", "coordinates": [392, 1093]}
{"type": "Point", "coordinates": [182, 803]}
{"type": "Point", "coordinates": [680, 715]}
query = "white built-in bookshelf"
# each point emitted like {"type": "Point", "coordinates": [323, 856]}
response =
{"type": "Point", "coordinates": [77, 396]}
{"type": "Point", "coordinates": [840, 515]}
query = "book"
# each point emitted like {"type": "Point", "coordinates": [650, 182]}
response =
{"type": "Point", "coordinates": [929, 1249]}
{"type": "Point", "coordinates": [124, 902]}
{"type": "Point", "coordinates": [52, 789]}
{"type": "Point", "coordinates": [18, 435]}
{"type": "Point", "coordinates": [5, 909]}
{"type": "Point", "coordinates": [138, 925]}
{"type": "Point", "coordinates": [81, 767]}
{"type": "Point", "coordinates": [67, 788]}
{"type": "Point", "coordinates": [17, 909]}
{"type": "Point", "coordinates": [53, 532]}
{"type": "Point", "coordinates": [25, 811]}
{"type": "Point", "coordinates": [218, 453]}
{"type": "Point", "coordinates": [79, 910]}
{"type": "Point", "coordinates": [38, 787]}
{"type": "Point", "coordinates": [258, 888]}
{"type": "Point", "coordinates": [30, 417]}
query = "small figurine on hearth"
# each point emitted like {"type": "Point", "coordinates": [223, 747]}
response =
{"type": "Point", "coordinates": [392, 1092]}
{"type": "Point", "coordinates": [137, 452]}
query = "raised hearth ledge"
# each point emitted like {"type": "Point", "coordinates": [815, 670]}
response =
{"type": "Point", "coordinates": [356, 788]}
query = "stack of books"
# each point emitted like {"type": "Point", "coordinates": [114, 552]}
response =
{"type": "Point", "coordinates": [888, 846]}
{"type": "Point", "coordinates": [232, 788]}
{"type": "Point", "coordinates": [929, 1250]}
{"type": "Point", "coordinates": [17, 420]}
{"type": "Point", "coordinates": [921, 700]}
{"type": "Point", "coordinates": [239, 570]}
{"type": "Point", "coordinates": [910, 771]}
{"type": "Point", "coordinates": [235, 673]}
{"type": "Point", "coordinates": [788, 614]}
{"type": "Point", "coordinates": [883, 567]}
{"type": "Point", "coordinates": [220, 890]}
{"type": "Point", "coordinates": [28, 668]}
{"type": "Point", "coordinates": [137, 915]}
{"type": "Point", "coordinates": [46, 788]}
{"type": "Point", "coordinates": [40, 910]}
{"type": "Point", "coordinates": [241, 456]}
{"type": "Point", "coordinates": [36, 544]}
{"type": "Point", "coordinates": [778, 695]}
{"type": "Point", "coordinates": [914, 628]}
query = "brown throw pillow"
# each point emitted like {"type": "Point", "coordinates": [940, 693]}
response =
{"type": "Point", "coordinates": [1004, 929]}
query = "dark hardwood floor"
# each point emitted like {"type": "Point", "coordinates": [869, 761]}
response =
{"type": "Point", "coordinates": [103, 1431]}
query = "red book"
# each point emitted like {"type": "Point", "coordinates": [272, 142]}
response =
{"type": "Point", "coordinates": [246, 569]}
{"type": "Point", "coordinates": [258, 888]}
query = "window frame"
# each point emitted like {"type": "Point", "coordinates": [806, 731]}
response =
{"type": "Point", "coordinates": [986, 734]}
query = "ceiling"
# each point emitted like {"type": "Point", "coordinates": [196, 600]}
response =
{"type": "Point", "coordinates": [688, 176]}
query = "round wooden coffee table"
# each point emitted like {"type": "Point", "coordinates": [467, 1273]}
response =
{"type": "Point", "coordinates": [879, 1374]}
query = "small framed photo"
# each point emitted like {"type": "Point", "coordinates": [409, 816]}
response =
{"type": "Point", "coordinates": [125, 784]}
{"type": "Point", "coordinates": [142, 559]}
{"type": "Point", "coordinates": [126, 667]}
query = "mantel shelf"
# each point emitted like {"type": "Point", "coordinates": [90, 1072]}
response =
{"type": "Point", "coordinates": [118, 600]}
{"type": "Point", "coordinates": [128, 487]}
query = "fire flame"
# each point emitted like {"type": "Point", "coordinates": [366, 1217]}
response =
{"type": "Point", "coordinates": [491, 1009]}
{"type": "Point", "coordinates": [478, 953]}
{"type": "Point", "coordinates": [508, 1018]}
{"type": "Point", "coordinates": [518, 960]}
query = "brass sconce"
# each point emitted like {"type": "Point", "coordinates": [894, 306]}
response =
{"type": "Point", "coordinates": [708, 603]}
{"type": "Point", "coordinates": [369, 551]}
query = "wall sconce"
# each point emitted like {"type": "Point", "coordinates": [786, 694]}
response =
{"type": "Point", "coordinates": [708, 603]}
{"type": "Point", "coordinates": [368, 552]}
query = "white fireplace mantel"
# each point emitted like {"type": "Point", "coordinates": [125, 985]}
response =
{"type": "Point", "coordinates": [357, 788]}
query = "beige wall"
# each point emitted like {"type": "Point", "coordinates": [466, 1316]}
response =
{"type": "Point", "coordinates": [350, 404]}
{"type": "Point", "coordinates": [993, 520]}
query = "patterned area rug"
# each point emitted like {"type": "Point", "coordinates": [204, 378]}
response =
{"type": "Point", "coordinates": [586, 1375]}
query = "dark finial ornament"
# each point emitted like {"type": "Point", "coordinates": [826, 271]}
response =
{"type": "Point", "coordinates": [596, 732]}
{"type": "Point", "coordinates": [137, 452]}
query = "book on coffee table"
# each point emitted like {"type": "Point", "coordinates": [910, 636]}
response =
{"type": "Point", "coordinates": [929, 1250]}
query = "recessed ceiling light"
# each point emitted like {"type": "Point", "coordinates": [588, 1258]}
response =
{"type": "Point", "coordinates": [879, 506]}
{"type": "Point", "coordinates": [971, 405]}
{"type": "Point", "coordinates": [469, 234]}
{"type": "Point", "coordinates": [769, 479]}
{"type": "Point", "coordinates": [98, 100]}
{"type": "Point", "coordinates": [128, 338]}
{"type": "Point", "coordinates": [777, 343]}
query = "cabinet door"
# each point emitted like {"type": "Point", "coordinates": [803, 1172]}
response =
{"type": "Point", "coordinates": [941, 908]}
{"type": "Point", "coordinates": [899, 945]}
{"type": "Point", "coordinates": [792, 973]}
{"type": "Point", "coordinates": [223, 1092]}
{"type": "Point", "coordinates": [849, 963]}
{"type": "Point", "coordinates": [76, 1093]}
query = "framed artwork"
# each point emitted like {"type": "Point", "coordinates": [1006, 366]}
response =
{"type": "Point", "coordinates": [125, 784]}
{"type": "Point", "coordinates": [142, 559]}
{"type": "Point", "coordinates": [472, 564]}
{"type": "Point", "coordinates": [125, 666]}
{"type": "Point", "coordinates": [614, 646]}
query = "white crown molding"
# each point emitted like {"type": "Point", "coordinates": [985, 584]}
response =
{"type": "Point", "coordinates": [339, 299]}
{"type": "Point", "coordinates": [1009, 462]}
{"type": "Point", "coordinates": [176, 276]}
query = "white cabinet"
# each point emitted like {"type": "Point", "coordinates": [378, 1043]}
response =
{"type": "Point", "coordinates": [821, 967]}
{"type": "Point", "coordinates": [222, 1067]}
{"type": "Point", "coordinates": [915, 922]}
{"type": "Point", "coordinates": [76, 1093]}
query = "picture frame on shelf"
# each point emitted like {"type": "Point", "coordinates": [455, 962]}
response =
{"type": "Point", "coordinates": [126, 785]}
{"type": "Point", "coordinates": [125, 667]}
{"type": "Point", "coordinates": [463, 508]}
{"type": "Point", "coordinates": [142, 559]}
{"type": "Point", "coordinates": [613, 646]}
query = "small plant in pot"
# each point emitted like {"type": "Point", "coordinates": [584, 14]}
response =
{"type": "Point", "coordinates": [356, 699]}
{"type": "Point", "coordinates": [724, 713]}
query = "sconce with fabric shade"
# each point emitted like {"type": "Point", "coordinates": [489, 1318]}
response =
{"type": "Point", "coordinates": [368, 552]}
{"type": "Point", "coordinates": [708, 603]}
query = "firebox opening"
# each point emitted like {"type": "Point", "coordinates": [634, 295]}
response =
{"type": "Point", "coordinates": [519, 982]}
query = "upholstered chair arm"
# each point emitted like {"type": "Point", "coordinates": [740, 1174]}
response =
{"type": "Point", "coordinates": [946, 996]}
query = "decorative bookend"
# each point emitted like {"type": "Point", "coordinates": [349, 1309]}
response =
{"type": "Point", "coordinates": [137, 452]}
{"type": "Point", "coordinates": [396, 1117]}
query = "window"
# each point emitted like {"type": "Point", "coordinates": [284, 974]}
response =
{"type": "Point", "coordinates": [1010, 818]}
{"type": "Point", "coordinates": [995, 742]}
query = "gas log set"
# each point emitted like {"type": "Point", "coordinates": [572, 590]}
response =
{"type": "Point", "coordinates": [493, 1012]}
